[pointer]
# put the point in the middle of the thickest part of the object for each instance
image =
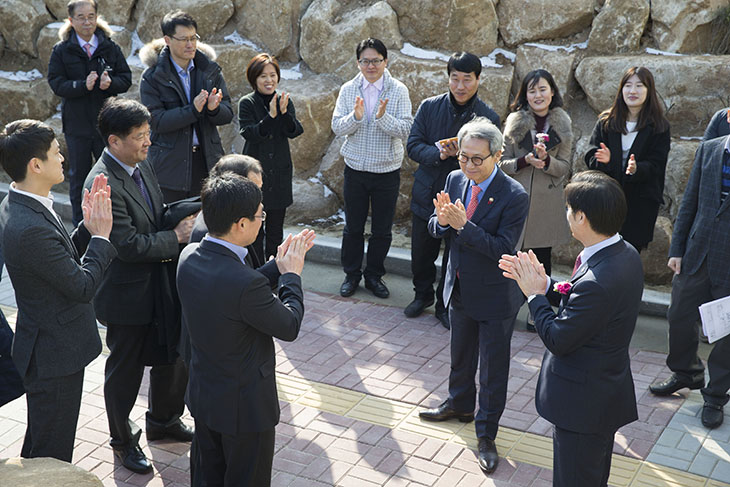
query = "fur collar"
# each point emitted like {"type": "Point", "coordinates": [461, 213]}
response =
{"type": "Point", "coordinates": [151, 51]}
{"type": "Point", "coordinates": [65, 31]}
{"type": "Point", "coordinates": [522, 121]}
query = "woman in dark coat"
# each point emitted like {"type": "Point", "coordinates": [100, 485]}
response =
{"type": "Point", "coordinates": [630, 143]}
{"type": "Point", "coordinates": [267, 121]}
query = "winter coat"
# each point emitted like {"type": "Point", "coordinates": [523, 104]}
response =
{"type": "Point", "coordinates": [173, 116]}
{"type": "Point", "coordinates": [546, 223]}
{"type": "Point", "coordinates": [267, 139]}
{"type": "Point", "coordinates": [68, 68]}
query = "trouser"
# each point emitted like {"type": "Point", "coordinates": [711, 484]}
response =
{"type": "Point", "coordinates": [199, 173]}
{"type": "Point", "coordinates": [581, 459]}
{"type": "Point", "coordinates": [82, 152]}
{"type": "Point", "coordinates": [424, 252]}
{"type": "Point", "coordinates": [363, 191]}
{"type": "Point", "coordinates": [271, 233]}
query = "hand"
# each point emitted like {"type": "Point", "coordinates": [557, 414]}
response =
{"type": "Point", "coordinates": [283, 102]}
{"type": "Point", "coordinates": [184, 227]}
{"type": "Point", "coordinates": [454, 214]}
{"type": "Point", "coordinates": [540, 150]}
{"type": "Point", "coordinates": [359, 109]}
{"type": "Point", "coordinates": [675, 263]}
{"type": "Point", "coordinates": [631, 166]}
{"type": "Point", "coordinates": [97, 208]}
{"type": "Point", "coordinates": [381, 108]}
{"type": "Point", "coordinates": [526, 270]}
{"type": "Point", "coordinates": [199, 100]}
{"type": "Point", "coordinates": [290, 254]}
{"type": "Point", "coordinates": [272, 106]}
{"type": "Point", "coordinates": [603, 154]}
{"type": "Point", "coordinates": [439, 202]}
{"type": "Point", "coordinates": [534, 161]}
{"type": "Point", "coordinates": [105, 81]}
{"type": "Point", "coordinates": [91, 80]}
{"type": "Point", "coordinates": [214, 99]}
{"type": "Point", "coordinates": [449, 150]}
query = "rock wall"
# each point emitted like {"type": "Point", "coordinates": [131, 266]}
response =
{"type": "Point", "coordinates": [585, 44]}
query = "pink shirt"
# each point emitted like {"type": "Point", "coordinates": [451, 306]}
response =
{"type": "Point", "coordinates": [371, 93]}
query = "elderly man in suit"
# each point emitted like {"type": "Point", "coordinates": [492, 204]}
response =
{"type": "Point", "coordinates": [231, 316]}
{"type": "Point", "coordinates": [126, 302]}
{"type": "Point", "coordinates": [700, 258]}
{"type": "Point", "coordinates": [585, 386]}
{"type": "Point", "coordinates": [55, 276]}
{"type": "Point", "coordinates": [483, 304]}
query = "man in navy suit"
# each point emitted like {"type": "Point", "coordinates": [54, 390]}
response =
{"type": "Point", "coordinates": [482, 303]}
{"type": "Point", "coordinates": [585, 386]}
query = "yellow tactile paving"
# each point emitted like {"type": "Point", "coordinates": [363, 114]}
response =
{"type": "Point", "coordinates": [378, 410]}
{"type": "Point", "coordinates": [330, 398]}
{"type": "Point", "coordinates": [653, 475]}
{"type": "Point", "coordinates": [291, 388]}
{"type": "Point", "coordinates": [623, 470]}
{"type": "Point", "coordinates": [533, 449]}
{"type": "Point", "coordinates": [444, 431]}
{"type": "Point", "coordinates": [716, 483]}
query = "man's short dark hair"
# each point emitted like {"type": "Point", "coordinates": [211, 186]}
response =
{"type": "Point", "coordinates": [20, 142]}
{"type": "Point", "coordinates": [119, 116]}
{"type": "Point", "coordinates": [465, 62]}
{"type": "Point", "coordinates": [237, 163]}
{"type": "Point", "coordinates": [371, 43]}
{"type": "Point", "coordinates": [601, 200]}
{"type": "Point", "coordinates": [226, 199]}
{"type": "Point", "coordinates": [172, 19]}
{"type": "Point", "coordinates": [256, 67]}
{"type": "Point", "coordinates": [71, 6]}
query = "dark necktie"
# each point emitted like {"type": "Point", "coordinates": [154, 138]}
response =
{"type": "Point", "coordinates": [578, 262]}
{"type": "Point", "coordinates": [137, 176]}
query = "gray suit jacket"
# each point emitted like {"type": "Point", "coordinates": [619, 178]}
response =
{"type": "Point", "coordinates": [54, 283]}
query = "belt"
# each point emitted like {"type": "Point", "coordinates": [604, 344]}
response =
{"type": "Point", "coordinates": [196, 148]}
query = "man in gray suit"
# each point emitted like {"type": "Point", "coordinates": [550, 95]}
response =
{"type": "Point", "coordinates": [700, 258]}
{"type": "Point", "coordinates": [55, 276]}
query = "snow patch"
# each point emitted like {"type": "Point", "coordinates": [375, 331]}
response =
{"type": "Point", "coordinates": [292, 73]}
{"type": "Point", "coordinates": [137, 44]}
{"type": "Point", "coordinates": [548, 47]}
{"type": "Point", "coordinates": [690, 138]}
{"type": "Point", "coordinates": [657, 52]}
{"type": "Point", "coordinates": [489, 61]}
{"type": "Point", "coordinates": [239, 40]}
{"type": "Point", "coordinates": [21, 75]}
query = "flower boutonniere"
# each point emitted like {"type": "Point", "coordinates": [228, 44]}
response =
{"type": "Point", "coordinates": [563, 287]}
{"type": "Point", "coordinates": [542, 138]}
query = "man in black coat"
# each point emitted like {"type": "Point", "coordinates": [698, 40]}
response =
{"type": "Point", "coordinates": [439, 118]}
{"type": "Point", "coordinates": [184, 90]}
{"type": "Point", "coordinates": [86, 68]}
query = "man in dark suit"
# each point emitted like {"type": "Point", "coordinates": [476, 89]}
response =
{"type": "Point", "coordinates": [483, 304]}
{"type": "Point", "coordinates": [700, 258]}
{"type": "Point", "coordinates": [585, 386]}
{"type": "Point", "coordinates": [231, 316]}
{"type": "Point", "coordinates": [127, 302]}
{"type": "Point", "coordinates": [55, 276]}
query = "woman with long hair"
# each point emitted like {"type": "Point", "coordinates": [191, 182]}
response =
{"type": "Point", "coordinates": [630, 143]}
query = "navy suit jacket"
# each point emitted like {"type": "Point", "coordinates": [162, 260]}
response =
{"type": "Point", "coordinates": [585, 383]}
{"type": "Point", "coordinates": [493, 230]}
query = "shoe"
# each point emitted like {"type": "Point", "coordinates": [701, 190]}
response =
{"type": "Point", "coordinates": [673, 384]}
{"type": "Point", "coordinates": [712, 415]}
{"type": "Point", "coordinates": [348, 287]}
{"type": "Point", "coordinates": [177, 431]}
{"type": "Point", "coordinates": [133, 459]}
{"type": "Point", "coordinates": [377, 286]}
{"type": "Point", "coordinates": [488, 458]}
{"type": "Point", "coordinates": [417, 306]}
{"type": "Point", "coordinates": [443, 317]}
{"type": "Point", "coordinates": [444, 412]}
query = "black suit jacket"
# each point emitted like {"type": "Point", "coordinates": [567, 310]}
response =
{"type": "Point", "coordinates": [231, 316]}
{"type": "Point", "coordinates": [585, 382]}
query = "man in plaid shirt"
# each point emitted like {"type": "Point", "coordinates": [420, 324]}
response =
{"type": "Point", "coordinates": [373, 113]}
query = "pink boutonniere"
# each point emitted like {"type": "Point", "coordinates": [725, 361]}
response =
{"type": "Point", "coordinates": [563, 287]}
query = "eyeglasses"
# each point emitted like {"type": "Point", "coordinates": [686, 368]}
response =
{"type": "Point", "coordinates": [262, 216]}
{"type": "Point", "coordinates": [365, 62]}
{"type": "Point", "coordinates": [192, 39]}
{"type": "Point", "coordinates": [476, 160]}
{"type": "Point", "coordinates": [82, 19]}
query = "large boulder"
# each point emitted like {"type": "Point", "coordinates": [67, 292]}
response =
{"type": "Point", "coordinates": [521, 22]}
{"type": "Point", "coordinates": [444, 25]}
{"type": "Point", "coordinates": [31, 472]}
{"type": "Point", "coordinates": [679, 166]}
{"type": "Point", "coordinates": [56, 124]}
{"type": "Point", "coordinates": [21, 22]}
{"type": "Point", "coordinates": [688, 85]}
{"type": "Point", "coordinates": [271, 25]}
{"type": "Point", "coordinates": [682, 26]}
{"type": "Point", "coordinates": [116, 12]}
{"type": "Point", "coordinates": [559, 62]}
{"type": "Point", "coordinates": [654, 258]}
{"type": "Point", "coordinates": [618, 27]}
{"type": "Point", "coordinates": [30, 99]}
{"type": "Point", "coordinates": [312, 200]}
{"type": "Point", "coordinates": [330, 31]}
{"type": "Point", "coordinates": [210, 15]}
{"type": "Point", "coordinates": [233, 60]}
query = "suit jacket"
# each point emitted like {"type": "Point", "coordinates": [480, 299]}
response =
{"type": "Point", "coordinates": [702, 228]}
{"type": "Point", "coordinates": [493, 230]}
{"type": "Point", "coordinates": [55, 277]}
{"type": "Point", "coordinates": [585, 382]}
{"type": "Point", "coordinates": [127, 293]}
{"type": "Point", "coordinates": [231, 316]}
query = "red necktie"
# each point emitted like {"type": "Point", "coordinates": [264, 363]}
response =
{"type": "Point", "coordinates": [473, 201]}
{"type": "Point", "coordinates": [578, 262]}
{"type": "Point", "coordinates": [87, 48]}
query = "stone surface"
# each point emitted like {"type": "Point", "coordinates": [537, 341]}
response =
{"type": "Point", "coordinates": [32, 99]}
{"type": "Point", "coordinates": [560, 63]}
{"type": "Point", "coordinates": [21, 20]}
{"type": "Point", "coordinates": [654, 258]}
{"type": "Point", "coordinates": [330, 31]}
{"type": "Point", "coordinates": [688, 85]}
{"type": "Point", "coordinates": [679, 165]}
{"type": "Point", "coordinates": [312, 200]}
{"type": "Point", "coordinates": [55, 123]}
{"type": "Point", "coordinates": [233, 60]}
{"type": "Point", "coordinates": [442, 25]}
{"type": "Point", "coordinates": [269, 24]}
{"type": "Point", "coordinates": [32, 472]}
{"type": "Point", "coordinates": [682, 26]}
{"type": "Point", "coordinates": [116, 12]}
{"type": "Point", "coordinates": [542, 19]}
{"type": "Point", "coordinates": [618, 26]}
{"type": "Point", "coordinates": [210, 15]}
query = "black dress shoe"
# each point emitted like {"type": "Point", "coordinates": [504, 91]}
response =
{"type": "Point", "coordinates": [417, 306]}
{"type": "Point", "coordinates": [444, 412]}
{"type": "Point", "coordinates": [133, 459]}
{"type": "Point", "coordinates": [443, 316]}
{"type": "Point", "coordinates": [177, 431]}
{"type": "Point", "coordinates": [488, 458]}
{"type": "Point", "coordinates": [377, 286]}
{"type": "Point", "coordinates": [673, 384]}
{"type": "Point", "coordinates": [348, 287]}
{"type": "Point", "coordinates": [712, 415]}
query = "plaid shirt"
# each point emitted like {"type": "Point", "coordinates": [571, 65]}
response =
{"type": "Point", "coordinates": [373, 145]}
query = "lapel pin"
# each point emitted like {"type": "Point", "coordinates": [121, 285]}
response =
{"type": "Point", "coordinates": [490, 201]}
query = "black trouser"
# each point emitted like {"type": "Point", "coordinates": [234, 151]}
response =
{"type": "Point", "coordinates": [424, 252]}
{"type": "Point", "coordinates": [200, 172]}
{"type": "Point", "coordinates": [123, 376]}
{"type": "Point", "coordinates": [363, 191]}
{"type": "Point", "coordinates": [82, 152]}
{"type": "Point", "coordinates": [581, 459]}
{"type": "Point", "coordinates": [271, 233]}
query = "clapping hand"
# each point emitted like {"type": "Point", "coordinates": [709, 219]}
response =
{"type": "Point", "coordinates": [91, 80]}
{"type": "Point", "coordinates": [631, 166]}
{"type": "Point", "coordinates": [603, 154]}
{"type": "Point", "coordinates": [105, 81]}
{"type": "Point", "coordinates": [449, 214]}
{"type": "Point", "coordinates": [381, 108]}
{"type": "Point", "coordinates": [525, 269]}
{"type": "Point", "coordinates": [283, 102]}
{"type": "Point", "coordinates": [199, 100]}
{"type": "Point", "coordinates": [290, 254]}
{"type": "Point", "coordinates": [534, 161]}
{"type": "Point", "coordinates": [96, 207]}
{"type": "Point", "coordinates": [359, 109]}
{"type": "Point", "coordinates": [214, 99]}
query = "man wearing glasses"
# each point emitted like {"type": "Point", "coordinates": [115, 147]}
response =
{"type": "Point", "coordinates": [373, 113]}
{"type": "Point", "coordinates": [86, 68]}
{"type": "Point", "coordinates": [184, 90]}
{"type": "Point", "coordinates": [482, 213]}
